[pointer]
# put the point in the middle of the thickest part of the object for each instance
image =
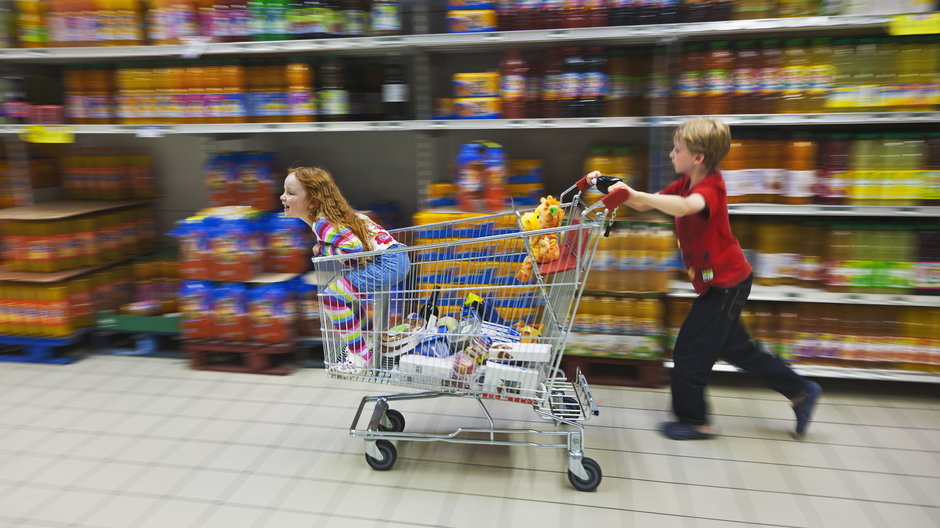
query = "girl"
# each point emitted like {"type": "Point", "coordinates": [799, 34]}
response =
{"type": "Point", "coordinates": [311, 195]}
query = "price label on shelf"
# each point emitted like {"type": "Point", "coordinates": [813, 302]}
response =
{"type": "Point", "coordinates": [48, 134]}
{"type": "Point", "coordinates": [917, 24]}
{"type": "Point", "coordinates": [152, 131]}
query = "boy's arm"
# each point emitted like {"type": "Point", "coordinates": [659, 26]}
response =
{"type": "Point", "coordinates": [670, 204]}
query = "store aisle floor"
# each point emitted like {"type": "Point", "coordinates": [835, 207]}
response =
{"type": "Point", "coordinates": [127, 442]}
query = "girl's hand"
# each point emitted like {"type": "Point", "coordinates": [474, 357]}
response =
{"type": "Point", "coordinates": [318, 249]}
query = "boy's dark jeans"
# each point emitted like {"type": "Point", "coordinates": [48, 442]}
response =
{"type": "Point", "coordinates": [711, 331]}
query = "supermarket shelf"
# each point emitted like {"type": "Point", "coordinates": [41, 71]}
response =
{"type": "Point", "coordinates": [541, 123]}
{"type": "Point", "coordinates": [829, 118]}
{"type": "Point", "coordinates": [796, 294]}
{"type": "Point", "coordinates": [458, 42]}
{"type": "Point", "coordinates": [845, 373]}
{"type": "Point", "coordinates": [200, 47]}
{"type": "Point", "coordinates": [490, 124]}
{"type": "Point", "coordinates": [895, 211]}
{"type": "Point", "coordinates": [155, 131]}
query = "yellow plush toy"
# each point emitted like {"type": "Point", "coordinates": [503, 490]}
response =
{"type": "Point", "coordinates": [544, 247]}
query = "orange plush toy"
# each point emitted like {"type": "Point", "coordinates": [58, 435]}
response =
{"type": "Point", "coordinates": [544, 247]}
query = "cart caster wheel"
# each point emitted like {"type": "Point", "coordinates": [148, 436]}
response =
{"type": "Point", "coordinates": [389, 455]}
{"type": "Point", "coordinates": [593, 479]}
{"type": "Point", "coordinates": [398, 421]}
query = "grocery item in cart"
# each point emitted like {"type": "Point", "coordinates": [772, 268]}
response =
{"type": "Point", "coordinates": [545, 248]}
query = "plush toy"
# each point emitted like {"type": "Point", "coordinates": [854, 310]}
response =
{"type": "Point", "coordinates": [544, 247]}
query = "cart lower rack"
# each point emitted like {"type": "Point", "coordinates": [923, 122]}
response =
{"type": "Point", "coordinates": [466, 322]}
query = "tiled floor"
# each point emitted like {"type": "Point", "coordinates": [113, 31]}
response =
{"type": "Point", "coordinates": [126, 442]}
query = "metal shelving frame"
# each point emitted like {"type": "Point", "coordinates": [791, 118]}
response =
{"type": "Point", "coordinates": [421, 45]}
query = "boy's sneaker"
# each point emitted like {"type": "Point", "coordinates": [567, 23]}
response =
{"type": "Point", "coordinates": [804, 409]}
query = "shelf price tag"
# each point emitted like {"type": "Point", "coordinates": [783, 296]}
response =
{"type": "Point", "coordinates": [152, 131]}
{"type": "Point", "coordinates": [48, 134]}
{"type": "Point", "coordinates": [916, 24]}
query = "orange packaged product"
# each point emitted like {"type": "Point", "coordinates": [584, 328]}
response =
{"type": "Point", "coordinates": [288, 245]}
{"type": "Point", "coordinates": [194, 249]}
{"type": "Point", "coordinates": [308, 310]}
{"type": "Point", "coordinates": [234, 249]}
{"type": "Point", "coordinates": [230, 312]}
{"type": "Point", "coordinates": [272, 314]}
{"type": "Point", "coordinates": [196, 309]}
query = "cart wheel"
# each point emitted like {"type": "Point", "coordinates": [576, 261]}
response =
{"type": "Point", "coordinates": [389, 455]}
{"type": "Point", "coordinates": [398, 421]}
{"type": "Point", "coordinates": [594, 476]}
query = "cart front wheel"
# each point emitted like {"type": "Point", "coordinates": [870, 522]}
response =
{"type": "Point", "coordinates": [397, 420]}
{"type": "Point", "coordinates": [593, 478]}
{"type": "Point", "coordinates": [389, 455]}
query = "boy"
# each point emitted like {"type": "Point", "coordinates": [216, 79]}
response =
{"type": "Point", "coordinates": [721, 277]}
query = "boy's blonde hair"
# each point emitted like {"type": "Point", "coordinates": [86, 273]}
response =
{"type": "Point", "coordinates": [703, 135]}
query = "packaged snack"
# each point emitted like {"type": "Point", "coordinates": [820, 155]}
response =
{"type": "Point", "coordinates": [271, 314]}
{"type": "Point", "coordinates": [471, 20]}
{"type": "Point", "coordinates": [230, 312]}
{"type": "Point", "coordinates": [195, 305]}
{"type": "Point", "coordinates": [484, 84]}
{"type": "Point", "coordinates": [477, 107]}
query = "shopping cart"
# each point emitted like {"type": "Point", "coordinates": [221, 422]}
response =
{"type": "Point", "coordinates": [495, 338]}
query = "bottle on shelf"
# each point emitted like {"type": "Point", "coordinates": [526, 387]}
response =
{"type": "Point", "coordinates": [796, 62]}
{"type": "Point", "coordinates": [616, 104]}
{"type": "Point", "coordinates": [746, 78]}
{"type": "Point", "coordinates": [355, 18]}
{"type": "Point", "coordinates": [594, 83]}
{"type": "Point", "coordinates": [771, 82]}
{"type": "Point", "coordinates": [573, 14]}
{"type": "Point", "coordinates": [395, 93]}
{"type": "Point", "coordinates": [688, 94]}
{"type": "Point", "coordinates": [238, 24]}
{"type": "Point", "coordinates": [386, 17]}
{"type": "Point", "coordinates": [334, 98]}
{"type": "Point", "coordinates": [800, 159]}
{"type": "Point", "coordinates": [819, 75]}
{"type": "Point", "coordinates": [513, 71]}
{"type": "Point", "coordinates": [718, 64]}
{"type": "Point", "coordinates": [596, 13]}
{"type": "Point", "coordinates": [31, 30]}
{"type": "Point", "coordinates": [551, 85]}
{"type": "Point", "coordinates": [571, 83]}
{"type": "Point", "coordinates": [621, 12]}
{"type": "Point", "coordinates": [300, 102]}
{"type": "Point", "coordinates": [533, 88]}
{"type": "Point", "coordinates": [834, 168]}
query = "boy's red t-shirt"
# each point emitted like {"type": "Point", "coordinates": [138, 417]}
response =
{"type": "Point", "coordinates": [711, 254]}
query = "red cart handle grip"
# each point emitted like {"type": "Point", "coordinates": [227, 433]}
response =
{"type": "Point", "coordinates": [616, 198]}
{"type": "Point", "coordinates": [583, 184]}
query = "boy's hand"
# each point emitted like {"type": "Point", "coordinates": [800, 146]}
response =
{"type": "Point", "coordinates": [592, 177]}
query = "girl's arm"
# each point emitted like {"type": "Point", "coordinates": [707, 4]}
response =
{"type": "Point", "coordinates": [335, 240]}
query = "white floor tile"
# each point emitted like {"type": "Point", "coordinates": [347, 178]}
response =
{"type": "Point", "coordinates": [143, 442]}
{"type": "Point", "coordinates": [121, 511]}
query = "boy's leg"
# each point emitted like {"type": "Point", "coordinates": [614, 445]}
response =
{"type": "Point", "coordinates": [743, 352]}
{"type": "Point", "coordinates": [697, 348]}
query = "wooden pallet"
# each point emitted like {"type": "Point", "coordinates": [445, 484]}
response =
{"type": "Point", "coordinates": [622, 372]}
{"type": "Point", "coordinates": [240, 356]}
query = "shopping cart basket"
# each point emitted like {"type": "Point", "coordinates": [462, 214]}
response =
{"type": "Point", "coordinates": [461, 324]}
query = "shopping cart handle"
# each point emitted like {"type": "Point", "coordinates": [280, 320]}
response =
{"type": "Point", "coordinates": [583, 184]}
{"type": "Point", "coordinates": [616, 198]}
